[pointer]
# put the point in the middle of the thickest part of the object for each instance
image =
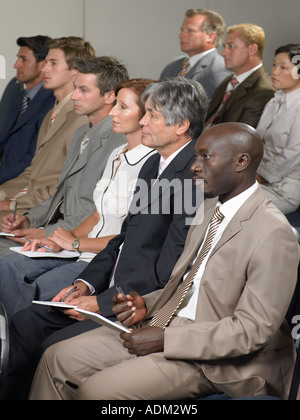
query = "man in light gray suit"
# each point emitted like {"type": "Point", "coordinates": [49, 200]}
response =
{"type": "Point", "coordinates": [92, 145]}
{"type": "Point", "coordinates": [201, 34]}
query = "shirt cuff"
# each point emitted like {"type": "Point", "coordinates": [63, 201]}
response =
{"type": "Point", "coordinates": [91, 288]}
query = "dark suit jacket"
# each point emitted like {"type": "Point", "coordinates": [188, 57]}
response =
{"type": "Point", "coordinates": [18, 142]}
{"type": "Point", "coordinates": [247, 102]}
{"type": "Point", "coordinates": [210, 71]}
{"type": "Point", "coordinates": [8, 101]}
{"type": "Point", "coordinates": [152, 242]}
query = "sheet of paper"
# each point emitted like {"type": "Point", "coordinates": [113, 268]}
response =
{"type": "Point", "coordinates": [60, 305]}
{"type": "Point", "coordinates": [103, 321]}
{"type": "Point", "coordinates": [62, 254]}
{"type": "Point", "coordinates": [9, 235]}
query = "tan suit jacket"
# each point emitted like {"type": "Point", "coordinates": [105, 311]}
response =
{"type": "Point", "coordinates": [246, 103]}
{"type": "Point", "coordinates": [240, 336]}
{"type": "Point", "coordinates": [42, 176]}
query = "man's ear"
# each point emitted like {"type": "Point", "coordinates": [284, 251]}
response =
{"type": "Point", "coordinates": [183, 127]}
{"type": "Point", "coordinates": [110, 97]}
{"type": "Point", "coordinates": [253, 49]}
{"type": "Point", "coordinates": [243, 162]}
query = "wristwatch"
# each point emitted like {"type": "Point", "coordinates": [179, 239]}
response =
{"type": "Point", "coordinates": [76, 245]}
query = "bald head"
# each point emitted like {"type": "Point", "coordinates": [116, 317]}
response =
{"type": "Point", "coordinates": [228, 156]}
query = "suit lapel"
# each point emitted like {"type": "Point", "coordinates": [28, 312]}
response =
{"type": "Point", "coordinates": [59, 121]}
{"type": "Point", "coordinates": [97, 134]}
{"type": "Point", "coordinates": [245, 213]}
{"type": "Point", "coordinates": [201, 65]}
{"type": "Point", "coordinates": [156, 188]}
{"type": "Point", "coordinates": [196, 236]}
{"type": "Point", "coordinates": [241, 90]}
{"type": "Point", "coordinates": [194, 240]}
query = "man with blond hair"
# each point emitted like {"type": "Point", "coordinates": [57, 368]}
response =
{"type": "Point", "coordinates": [201, 34]}
{"type": "Point", "coordinates": [243, 95]}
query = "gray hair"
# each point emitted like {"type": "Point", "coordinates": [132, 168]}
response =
{"type": "Point", "coordinates": [179, 99]}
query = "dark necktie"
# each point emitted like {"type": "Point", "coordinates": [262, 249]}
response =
{"type": "Point", "coordinates": [24, 105]}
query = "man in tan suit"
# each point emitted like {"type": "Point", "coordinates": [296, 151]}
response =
{"type": "Point", "coordinates": [39, 181]}
{"type": "Point", "coordinates": [243, 95]}
{"type": "Point", "coordinates": [228, 332]}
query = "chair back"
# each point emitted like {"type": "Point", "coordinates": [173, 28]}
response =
{"type": "Point", "coordinates": [4, 349]}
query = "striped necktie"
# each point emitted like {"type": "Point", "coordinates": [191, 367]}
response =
{"type": "Point", "coordinates": [24, 106]}
{"type": "Point", "coordinates": [185, 68]}
{"type": "Point", "coordinates": [233, 84]}
{"type": "Point", "coordinates": [53, 116]}
{"type": "Point", "coordinates": [165, 314]}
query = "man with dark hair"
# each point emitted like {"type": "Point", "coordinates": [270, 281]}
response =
{"type": "Point", "coordinates": [27, 110]}
{"type": "Point", "coordinates": [39, 180]}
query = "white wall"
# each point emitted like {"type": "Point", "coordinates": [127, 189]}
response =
{"type": "Point", "coordinates": [54, 18]}
{"type": "Point", "coordinates": [141, 33]}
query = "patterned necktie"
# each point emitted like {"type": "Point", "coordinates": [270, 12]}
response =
{"type": "Point", "coordinates": [185, 68]}
{"type": "Point", "coordinates": [165, 314]}
{"type": "Point", "coordinates": [24, 106]}
{"type": "Point", "coordinates": [53, 116]}
{"type": "Point", "coordinates": [233, 83]}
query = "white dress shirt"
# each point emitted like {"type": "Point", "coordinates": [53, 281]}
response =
{"type": "Point", "coordinates": [279, 127]}
{"type": "Point", "coordinates": [229, 210]}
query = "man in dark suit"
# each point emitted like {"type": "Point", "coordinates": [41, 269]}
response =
{"type": "Point", "coordinates": [152, 237]}
{"type": "Point", "coordinates": [201, 33]}
{"type": "Point", "coordinates": [243, 95]}
{"type": "Point", "coordinates": [18, 141]}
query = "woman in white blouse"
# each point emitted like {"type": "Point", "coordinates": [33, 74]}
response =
{"type": "Point", "coordinates": [112, 196]}
{"type": "Point", "coordinates": [279, 126]}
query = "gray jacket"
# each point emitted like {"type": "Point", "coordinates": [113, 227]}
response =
{"type": "Point", "coordinates": [210, 71]}
{"type": "Point", "coordinates": [73, 201]}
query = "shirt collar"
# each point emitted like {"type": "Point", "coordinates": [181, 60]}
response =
{"type": "Point", "coordinates": [195, 58]}
{"type": "Point", "coordinates": [32, 92]}
{"type": "Point", "coordinates": [166, 162]}
{"type": "Point", "coordinates": [242, 77]}
{"type": "Point", "coordinates": [133, 156]}
{"type": "Point", "coordinates": [290, 99]}
{"type": "Point", "coordinates": [231, 207]}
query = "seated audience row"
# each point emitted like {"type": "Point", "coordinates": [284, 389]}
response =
{"type": "Point", "coordinates": [157, 247]}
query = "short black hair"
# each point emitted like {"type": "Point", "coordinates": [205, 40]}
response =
{"type": "Point", "coordinates": [38, 44]}
{"type": "Point", "coordinates": [293, 50]}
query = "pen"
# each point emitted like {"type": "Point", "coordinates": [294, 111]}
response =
{"type": "Point", "coordinates": [39, 246]}
{"type": "Point", "coordinates": [69, 293]}
{"type": "Point", "coordinates": [15, 214]}
{"type": "Point", "coordinates": [119, 290]}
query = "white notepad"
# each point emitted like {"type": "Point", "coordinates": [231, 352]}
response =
{"type": "Point", "coordinates": [91, 315]}
{"type": "Point", "coordinates": [62, 254]}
